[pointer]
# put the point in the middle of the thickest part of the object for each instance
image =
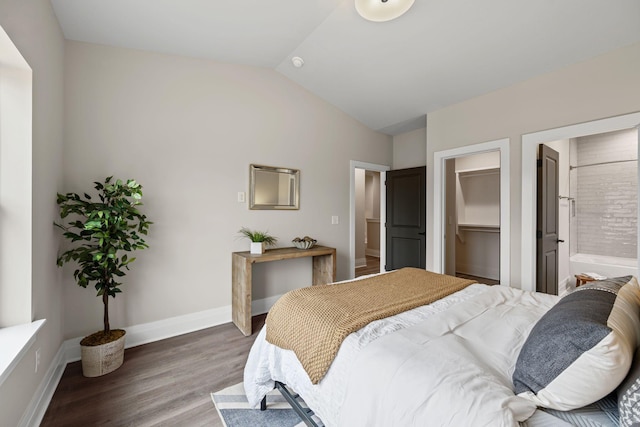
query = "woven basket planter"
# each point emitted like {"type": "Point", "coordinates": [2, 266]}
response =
{"type": "Point", "coordinates": [101, 359]}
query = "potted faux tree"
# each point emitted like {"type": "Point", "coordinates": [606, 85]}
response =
{"type": "Point", "coordinates": [101, 234]}
{"type": "Point", "coordinates": [259, 239]}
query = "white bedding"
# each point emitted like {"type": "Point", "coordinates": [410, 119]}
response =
{"type": "Point", "coordinates": [449, 362]}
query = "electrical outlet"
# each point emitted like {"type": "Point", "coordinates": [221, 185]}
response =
{"type": "Point", "coordinates": [37, 359]}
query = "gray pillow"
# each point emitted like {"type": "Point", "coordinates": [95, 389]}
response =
{"type": "Point", "coordinates": [579, 324]}
{"type": "Point", "coordinates": [629, 395]}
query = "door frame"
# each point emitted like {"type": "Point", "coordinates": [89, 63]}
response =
{"type": "Point", "coordinates": [353, 165]}
{"type": "Point", "coordinates": [530, 144]}
{"type": "Point", "coordinates": [501, 145]}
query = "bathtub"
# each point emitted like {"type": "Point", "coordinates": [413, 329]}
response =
{"type": "Point", "coordinates": [604, 265]}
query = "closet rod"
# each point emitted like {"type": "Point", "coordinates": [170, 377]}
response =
{"type": "Point", "coordinates": [603, 163]}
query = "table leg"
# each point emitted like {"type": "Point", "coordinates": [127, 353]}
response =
{"type": "Point", "coordinates": [241, 294]}
{"type": "Point", "coordinates": [324, 269]}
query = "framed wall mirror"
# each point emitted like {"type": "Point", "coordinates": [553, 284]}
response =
{"type": "Point", "coordinates": [274, 188]}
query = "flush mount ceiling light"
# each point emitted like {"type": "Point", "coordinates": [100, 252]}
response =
{"type": "Point", "coordinates": [382, 10]}
{"type": "Point", "coordinates": [297, 62]}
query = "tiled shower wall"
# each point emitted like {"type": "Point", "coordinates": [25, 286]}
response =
{"type": "Point", "coordinates": [607, 195]}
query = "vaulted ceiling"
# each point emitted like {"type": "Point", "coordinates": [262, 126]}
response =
{"type": "Point", "coordinates": [387, 75]}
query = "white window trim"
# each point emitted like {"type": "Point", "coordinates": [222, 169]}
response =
{"type": "Point", "coordinates": [16, 125]}
{"type": "Point", "coordinates": [15, 342]}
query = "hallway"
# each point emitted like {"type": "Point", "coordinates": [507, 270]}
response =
{"type": "Point", "coordinates": [372, 267]}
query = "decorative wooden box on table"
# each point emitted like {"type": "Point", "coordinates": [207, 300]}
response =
{"type": "Point", "coordinates": [583, 279]}
{"type": "Point", "coordinates": [324, 271]}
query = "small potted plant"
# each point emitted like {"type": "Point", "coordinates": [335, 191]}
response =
{"type": "Point", "coordinates": [259, 239]}
{"type": "Point", "coordinates": [101, 234]}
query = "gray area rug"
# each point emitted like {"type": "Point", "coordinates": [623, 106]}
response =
{"type": "Point", "coordinates": [233, 408]}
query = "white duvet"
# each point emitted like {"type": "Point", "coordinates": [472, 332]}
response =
{"type": "Point", "coordinates": [445, 364]}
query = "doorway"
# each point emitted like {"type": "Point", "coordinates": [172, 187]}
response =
{"type": "Point", "coordinates": [363, 204]}
{"type": "Point", "coordinates": [367, 222]}
{"type": "Point", "coordinates": [472, 217]}
{"type": "Point", "coordinates": [440, 221]}
{"type": "Point", "coordinates": [530, 143]}
{"type": "Point", "coordinates": [597, 197]}
{"type": "Point", "coordinates": [406, 228]}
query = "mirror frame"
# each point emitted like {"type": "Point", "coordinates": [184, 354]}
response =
{"type": "Point", "coordinates": [294, 173]}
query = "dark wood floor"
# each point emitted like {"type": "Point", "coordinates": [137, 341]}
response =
{"type": "Point", "coordinates": [165, 383]}
{"type": "Point", "coordinates": [373, 266]}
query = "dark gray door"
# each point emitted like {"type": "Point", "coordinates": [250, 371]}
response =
{"type": "Point", "coordinates": [547, 221]}
{"type": "Point", "coordinates": [406, 218]}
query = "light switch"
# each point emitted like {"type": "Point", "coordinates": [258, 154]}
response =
{"type": "Point", "coordinates": [240, 196]}
{"type": "Point", "coordinates": [334, 220]}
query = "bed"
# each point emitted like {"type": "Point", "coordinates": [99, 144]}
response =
{"type": "Point", "coordinates": [466, 359]}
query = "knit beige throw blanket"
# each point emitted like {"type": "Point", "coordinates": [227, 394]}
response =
{"type": "Point", "coordinates": [314, 321]}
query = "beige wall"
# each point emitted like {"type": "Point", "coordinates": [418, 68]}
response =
{"type": "Point", "coordinates": [478, 161]}
{"type": "Point", "coordinates": [34, 30]}
{"type": "Point", "coordinates": [187, 130]}
{"type": "Point", "coordinates": [409, 149]}
{"type": "Point", "coordinates": [605, 86]}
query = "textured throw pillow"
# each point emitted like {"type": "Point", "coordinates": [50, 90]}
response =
{"type": "Point", "coordinates": [582, 348]}
{"type": "Point", "coordinates": [629, 395]}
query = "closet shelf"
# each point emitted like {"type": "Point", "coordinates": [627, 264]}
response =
{"type": "Point", "coordinates": [467, 173]}
{"type": "Point", "coordinates": [485, 228]}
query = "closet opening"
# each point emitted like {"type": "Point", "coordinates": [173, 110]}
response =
{"type": "Point", "coordinates": [472, 217]}
{"type": "Point", "coordinates": [483, 220]}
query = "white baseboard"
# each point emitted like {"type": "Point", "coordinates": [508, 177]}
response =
{"type": "Point", "coordinates": [563, 286]}
{"type": "Point", "coordinates": [34, 413]}
{"type": "Point", "coordinates": [372, 252]}
{"type": "Point", "coordinates": [173, 326]}
{"type": "Point", "coordinates": [262, 306]}
{"type": "Point", "coordinates": [136, 335]}
{"type": "Point", "coordinates": [479, 271]}
{"type": "Point", "coordinates": [161, 329]}
{"type": "Point", "coordinates": [361, 262]}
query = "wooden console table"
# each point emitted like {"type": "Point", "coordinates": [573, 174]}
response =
{"type": "Point", "coordinates": [324, 271]}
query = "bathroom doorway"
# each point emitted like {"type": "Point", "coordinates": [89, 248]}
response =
{"type": "Point", "coordinates": [597, 206]}
{"type": "Point", "coordinates": [530, 143]}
